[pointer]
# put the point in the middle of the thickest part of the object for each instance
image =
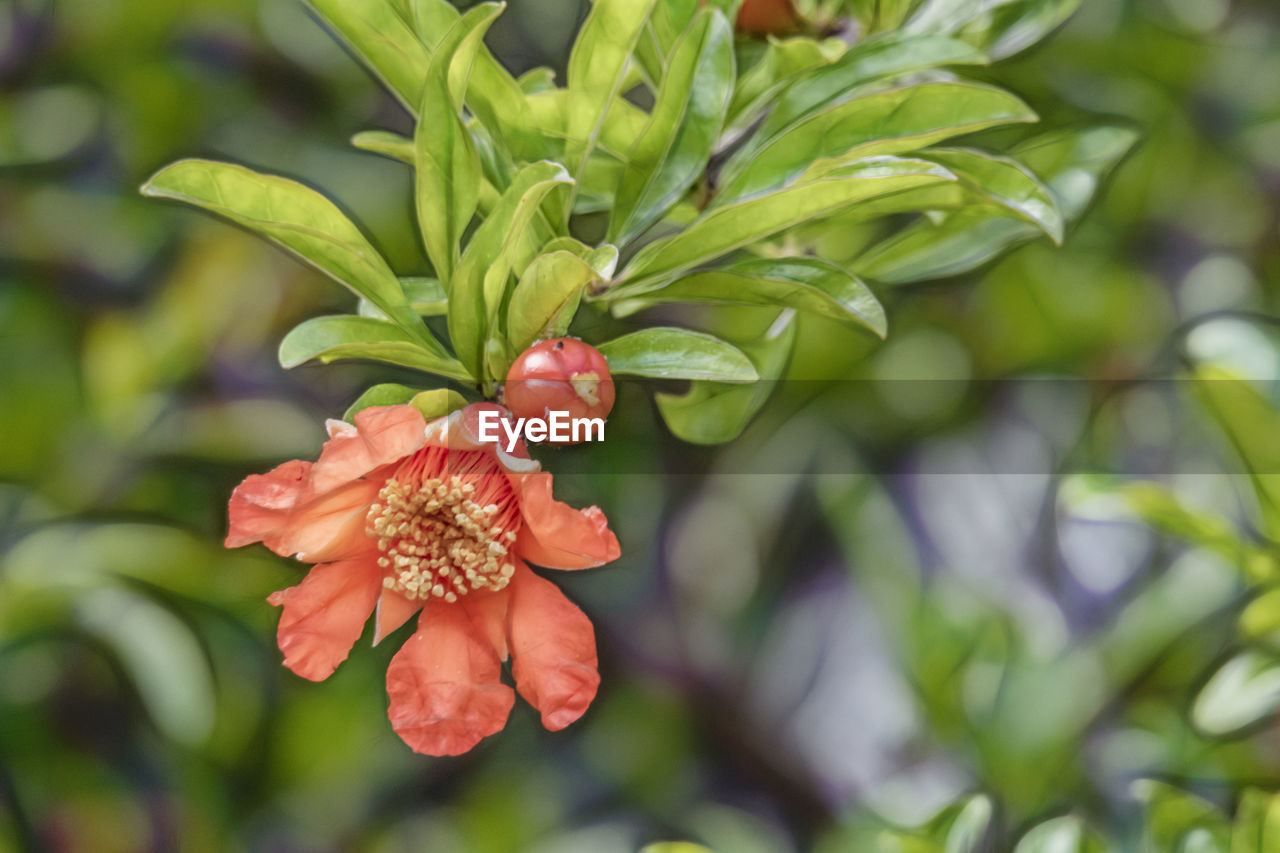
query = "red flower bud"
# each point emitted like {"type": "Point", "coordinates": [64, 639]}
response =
{"type": "Point", "coordinates": [560, 375]}
{"type": "Point", "coordinates": [766, 17]}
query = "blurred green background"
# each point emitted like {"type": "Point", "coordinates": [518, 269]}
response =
{"type": "Point", "coordinates": [913, 600]}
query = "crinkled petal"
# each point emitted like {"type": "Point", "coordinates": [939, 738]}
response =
{"type": "Point", "coordinates": [278, 509]}
{"type": "Point", "coordinates": [460, 430]}
{"type": "Point", "coordinates": [444, 685]}
{"type": "Point", "coordinates": [553, 650]}
{"type": "Point", "coordinates": [393, 611]}
{"type": "Point", "coordinates": [382, 435]}
{"type": "Point", "coordinates": [558, 536]}
{"type": "Point", "coordinates": [325, 614]}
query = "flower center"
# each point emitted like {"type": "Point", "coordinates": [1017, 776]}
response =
{"type": "Point", "coordinates": [445, 522]}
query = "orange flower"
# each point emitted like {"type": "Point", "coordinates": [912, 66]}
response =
{"type": "Point", "coordinates": [401, 515]}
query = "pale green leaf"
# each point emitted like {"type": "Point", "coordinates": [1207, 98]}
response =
{"type": "Point", "coordinates": [446, 164]}
{"type": "Point", "coordinates": [297, 218]}
{"type": "Point", "coordinates": [345, 336]}
{"type": "Point", "coordinates": [549, 287]}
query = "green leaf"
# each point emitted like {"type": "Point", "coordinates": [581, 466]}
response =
{"type": "Point", "coordinates": [1244, 691]}
{"type": "Point", "coordinates": [733, 226]}
{"type": "Point", "coordinates": [295, 217]}
{"type": "Point", "coordinates": [715, 412]}
{"type": "Point", "coordinates": [664, 352]}
{"type": "Point", "coordinates": [535, 80]}
{"type": "Point", "coordinates": [386, 143]}
{"type": "Point", "coordinates": [426, 298]}
{"type": "Point", "coordinates": [1171, 814]}
{"type": "Point", "coordinates": [687, 115]}
{"type": "Point", "coordinates": [1250, 423]}
{"type": "Point", "coordinates": [1067, 834]}
{"type": "Point", "coordinates": [880, 58]}
{"type": "Point", "coordinates": [549, 288]}
{"type": "Point", "coordinates": [1006, 182]}
{"type": "Point", "coordinates": [446, 164]}
{"type": "Point", "coordinates": [479, 288]}
{"type": "Point", "coordinates": [378, 33]}
{"type": "Point", "coordinates": [783, 61]}
{"type": "Point", "coordinates": [1257, 824]}
{"type": "Point", "coordinates": [811, 285]}
{"type": "Point", "coordinates": [1002, 27]}
{"type": "Point", "coordinates": [385, 394]}
{"type": "Point", "coordinates": [344, 336]}
{"type": "Point", "coordinates": [888, 122]}
{"type": "Point", "coordinates": [1260, 620]}
{"type": "Point", "coordinates": [597, 71]}
{"type": "Point", "coordinates": [495, 97]}
{"type": "Point", "coordinates": [1072, 165]}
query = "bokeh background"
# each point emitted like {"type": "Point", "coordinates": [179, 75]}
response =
{"type": "Point", "coordinates": [890, 593]}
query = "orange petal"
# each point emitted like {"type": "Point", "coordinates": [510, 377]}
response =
{"type": "Point", "coordinates": [553, 650]}
{"type": "Point", "coordinates": [444, 685]}
{"type": "Point", "coordinates": [382, 435]}
{"type": "Point", "coordinates": [393, 611]}
{"type": "Point", "coordinates": [325, 614]}
{"type": "Point", "coordinates": [278, 509]}
{"type": "Point", "coordinates": [488, 612]}
{"type": "Point", "coordinates": [558, 536]}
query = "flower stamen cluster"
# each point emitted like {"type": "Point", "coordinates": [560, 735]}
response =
{"type": "Point", "coordinates": [445, 533]}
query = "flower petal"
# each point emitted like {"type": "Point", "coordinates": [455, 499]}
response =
{"type": "Point", "coordinates": [558, 536]}
{"type": "Point", "coordinates": [393, 611]}
{"type": "Point", "coordinates": [488, 612]}
{"type": "Point", "coordinates": [553, 650]}
{"type": "Point", "coordinates": [444, 685]}
{"type": "Point", "coordinates": [325, 614]}
{"type": "Point", "coordinates": [277, 509]}
{"type": "Point", "coordinates": [382, 435]}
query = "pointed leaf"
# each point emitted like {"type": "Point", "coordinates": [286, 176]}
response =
{"type": "Point", "coordinates": [687, 115]}
{"type": "Point", "coordinates": [733, 226]}
{"type": "Point", "coordinates": [805, 284]}
{"type": "Point", "coordinates": [295, 217]}
{"type": "Point", "coordinates": [597, 71]}
{"type": "Point", "coordinates": [550, 287]}
{"type": "Point", "coordinates": [446, 165]}
{"type": "Point", "coordinates": [1072, 165]}
{"type": "Point", "coordinates": [479, 288]}
{"type": "Point", "coordinates": [1244, 691]}
{"type": "Point", "coordinates": [386, 143]}
{"type": "Point", "coordinates": [715, 412]}
{"type": "Point", "coordinates": [381, 36]}
{"type": "Point", "coordinates": [888, 122]}
{"type": "Point", "coordinates": [345, 336]}
{"type": "Point", "coordinates": [669, 353]}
